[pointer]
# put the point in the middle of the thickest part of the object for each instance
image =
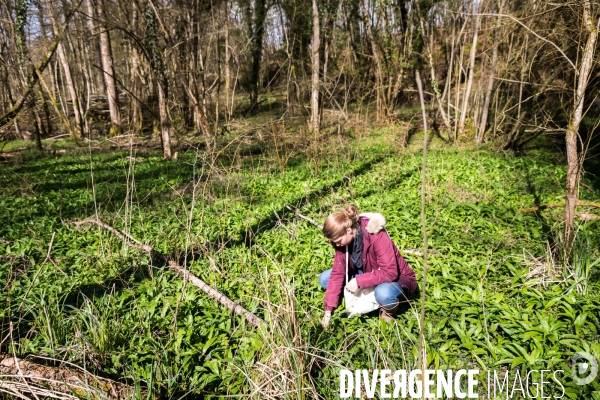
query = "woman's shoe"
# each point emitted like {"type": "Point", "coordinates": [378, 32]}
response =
{"type": "Point", "coordinates": [388, 314]}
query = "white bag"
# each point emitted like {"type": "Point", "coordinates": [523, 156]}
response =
{"type": "Point", "coordinates": [360, 302]}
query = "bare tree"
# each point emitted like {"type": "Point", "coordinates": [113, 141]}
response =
{"type": "Point", "coordinates": [109, 72]}
{"type": "Point", "coordinates": [160, 79]}
{"type": "Point", "coordinates": [70, 81]}
{"type": "Point", "coordinates": [573, 157]}
{"type": "Point", "coordinates": [315, 55]}
{"type": "Point", "coordinates": [33, 77]}
{"type": "Point", "coordinates": [492, 70]}
{"type": "Point", "coordinates": [473, 52]}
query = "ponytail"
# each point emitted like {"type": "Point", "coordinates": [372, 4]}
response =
{"type": "Point", "coordinates": [337, 224]}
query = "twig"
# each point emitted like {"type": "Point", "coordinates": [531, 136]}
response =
{"type": "Point", "coordinates": [535, 34]}
{"type": "Point", "coordinates": [214, 265]}
{"type": "Point", "coordinates": [422, 355]}
{"type": "Point", "coordinates": [58, 136]}
{"type": "Point", "coordinates": [209, 290]}
{"type": "Point", "coordinates": [280, 223]}
{"type": "Point", "coordinates": [38, 271]}
{"type": "Point", "coordinates": [297, 213]}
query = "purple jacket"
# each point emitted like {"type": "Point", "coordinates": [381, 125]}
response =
{"type": "Point", "coordinates": [382, 262]}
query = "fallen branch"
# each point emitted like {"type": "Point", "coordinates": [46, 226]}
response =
{"type": "Point", "coordinates": [555, 205]}
{"type": "Point", "coordinates": [173, 266]}
{"type": "Point", "coordinates": [19, 376]}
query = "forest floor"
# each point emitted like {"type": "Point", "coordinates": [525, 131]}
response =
{"type": "Point", "coordinates": [499, 298]}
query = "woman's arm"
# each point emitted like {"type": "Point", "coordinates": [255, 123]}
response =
{"type": "Point", "coordinates": [337, 280]}
{"type": "Point", "coordinates": [387, 269]}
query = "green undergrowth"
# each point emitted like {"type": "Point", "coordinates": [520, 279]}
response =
{"type": "Point", "coordinates": [498, 297]}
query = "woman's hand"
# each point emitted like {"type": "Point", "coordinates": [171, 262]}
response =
{"type": "Point", "coordinates": [326, 318]}
{"type": "Point", "coordinates": [352, 285]}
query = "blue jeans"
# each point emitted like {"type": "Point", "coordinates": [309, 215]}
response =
{"type": "Point", "coordinates": [387, 294]}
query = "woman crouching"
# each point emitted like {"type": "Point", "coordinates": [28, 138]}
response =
{"type": "Point", "coordinates": [374, 261]}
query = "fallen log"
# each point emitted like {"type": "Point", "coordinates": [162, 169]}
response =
{"type": "Point", "coordinates": [173, 266]}
{"type": "Point", "coordinates": [18, 376]}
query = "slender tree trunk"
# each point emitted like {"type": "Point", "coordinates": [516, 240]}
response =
{"type": "Point", "coordinates": [433, 77]}
{"type": "Point", "coordinates": [70, 82]}
{"type": "Point", "coordinates": [407, 48]}
{"type": "Point", "coordinates": [490, 86]}
{"type": "Point", "coordinates": [164, 118]}
{"type": "Point", "coordinates": [50, 68]}
{"type": "Point", "coordinates": [465, 105]}
{"type": "Point", "coordinates": [422, 361]}
{"type": "Point", "coordinates": [315, 50]}
{"type": "Point", "coordinates": [524, 67]}
{"type": "Point", "coordinates": [201, 119]}
{"type": "Point", "coordinates": [573, 158]}
{"type": "Point", "coordinates": [11, 102]}
{"type": "Point", "coordinates": [160, 78]}
{"type": "Point", "coordinates": [54, 102]}
{"type": "Point", "coordinates": [135, 72]}
{"type": "Point", "coordinates": [449, 73]}
{"type": "Point", "coordinates": [46, 110]}
{"type": "Point", "coordinates": [72, 90]}
{"type": "Point", "coordinates": [32, 80]}
{"type": "Point", "coordinates": [382, 107]}
{"type": "Point", "coordinates": [227, 63]}
{"type": "Point", "coordinates": [109, 73]}
{"type": "Point", "coordinates": [256, 13]}
{"type": "Point", "coordinates": [98, 77]}
{"type": "Point", "coordinates": [457, 90]}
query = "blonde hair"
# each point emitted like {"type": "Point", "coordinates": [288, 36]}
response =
{"type": "Point", "coordinates": [337, 224]}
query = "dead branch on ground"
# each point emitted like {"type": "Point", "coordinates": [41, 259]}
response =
{"type": "Point", "coordinates": [19, 376]}
{"type": "Point", "coordinates": [173, 266]}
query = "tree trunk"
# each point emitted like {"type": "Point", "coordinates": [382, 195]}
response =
{"type": "Point", "coordinates": [465, 105]}
{"type": "Point", "coordinates": [382, 106]}
{"type": "Point", "coordinates": [72, 91]}
{"type": "Point", "coordinates": [573, 158]}
{"type": "Point", "coordinates": [109, 73]}
{"type": "Point", "coordinates": [433, 77]}
{"type": "Point", "coordinates": [38, 129]}
{"type": "Point", "coordinates": [11, 103]}
{"type": "Point", "coordinates": [40, 15]}
{"type": "Point", "coordinates": [62, 58]}
{"type": "Point", "coordinates": [315, 50]}
{"type": "Point", "coordinates": [38, 69]}
{"type": "Point", "coordinates": [98, 77]}
{"type": "Point", "coordinates": [201, 118]}
{"type": "Point", "coordinates": [164, 117]}
{"type": "Point", "coordinates": [448, 85]}
{"type": "Point", "coordinates": [256, 23]}
{"type": "Point", "coordinates": [135, 72]}
{"type": "Point", "coordinates": [227, 63]}
{"type": "Point", "coordinates": [490, 86]}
